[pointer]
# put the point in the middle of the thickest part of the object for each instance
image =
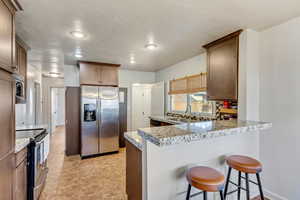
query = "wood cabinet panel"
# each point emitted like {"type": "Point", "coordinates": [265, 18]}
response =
{"type": "Point", "coordinates": [7, 135]}
{"type": "Point", "coordinates": [7, 35]}
{"type": "Point", "coordinates": [109, 76]}
{"type": "Point", "coordinates": [134, 181]}
{"type": "Point", "coordinates": [89, 74]}
{"type": "Point", "coordinates": [102, 74]}
{"type": "Point", "coordinates": [222, 61]}
{"type": "Point", "coordinates": [7, 175]}
{"type": "Point", "coordinates": [21, 181]}
{"type": "Point", "coordinates": [17, 69]}
{"type": "Point", "coordinates": [22, 62]}
{"type": "Point", "coordinates": [122, 117]}
{"type": "Point", "coordinates": [72, 106]}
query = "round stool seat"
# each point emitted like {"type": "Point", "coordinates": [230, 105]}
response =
{"type": "Point", "coordinates": [244, 164]}
{"type": "Point", "coordinates": [205, 178]}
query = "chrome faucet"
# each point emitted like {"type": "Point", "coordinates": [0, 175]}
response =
{"type": "Point", "coordinates": [188, 110]}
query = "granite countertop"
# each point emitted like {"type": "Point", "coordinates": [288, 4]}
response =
{"type": "Point", "coordinates": [21, 143]}
{"type": "Point", "coordinates": [179, 120]}
{"type": "Point", "coordinates": [31, 127]}
{"type": "Point", "coordinates": [188, 132]}
{"type": "Point", "coordinates": [167, 119]}
{"type": "Point", "coordinates": [23, 138]}
{"type": "Point", "coordinates": [134, 138]}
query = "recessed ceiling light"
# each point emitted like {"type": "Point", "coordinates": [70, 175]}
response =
{"type": "Point", "coordinates": [132, 61]}
{"type": "Point", "coordinates": [54, 74]}
{"type": "Point", "coordinates": [151, 46]}
{"type": "Point", "coordinates": [78, 55]}
{"type": "Point", "coordinates": [77, 34]}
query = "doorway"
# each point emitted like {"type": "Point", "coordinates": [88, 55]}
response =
{"type": "Point", "coordinates": [147, 100]}
{"type": "Point", "coordinates": [57, 108]}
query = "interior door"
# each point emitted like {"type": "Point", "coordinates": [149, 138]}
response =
{"type": "Point", "coordinates": [60, 106]}
{"type": "Point", "coordinates": [141, 106]}
{"type": "Point", "coordinates": [53, 109]}
{"type": "Point", "coordinates": [146, 96]}
{"type": "Point", "coordinates": [89, 125]}
{"type": "Point", "coordinates": [109, 119]}
{"type": "Point", "coordinates": [158, 99]}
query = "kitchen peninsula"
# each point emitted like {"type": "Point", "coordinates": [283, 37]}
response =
{"type": "Point", "coordinates": [167, 152]}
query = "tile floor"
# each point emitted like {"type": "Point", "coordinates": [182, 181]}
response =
{"type": "Point", "coordinates": [70, 178]}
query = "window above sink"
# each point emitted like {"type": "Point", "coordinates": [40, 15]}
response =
{"type": "Point", "coordinates": [196, 101]}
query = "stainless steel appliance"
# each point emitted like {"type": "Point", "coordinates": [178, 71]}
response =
{"type": "Point", "coordinates": [38, 150]}
{"type": "Point", "coordinates": [20, 89]}
{"type": "Point", "coordinates": [99, 120]}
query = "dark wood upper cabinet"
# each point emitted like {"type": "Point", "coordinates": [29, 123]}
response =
{"type": "Point", "coordinates": [21, 58]}
{"type": "Point", "coordinates": [7, 123]}
{"type": "Point", "coordinates": [102, 74]}
{"type": "Point", "coordinates": [20, 69]}
{"type": "Point", "coordinates": [222, 67]}
{"type": "Point", "coordinates": [7, 35]}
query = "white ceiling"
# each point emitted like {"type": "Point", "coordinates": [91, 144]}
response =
{"type": "Point", "coordinates": [118, 29]}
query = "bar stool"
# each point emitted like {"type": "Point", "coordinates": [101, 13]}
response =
{"type": "Point", "coordinates": [248, 166]}
{"type": "Point", "coordinates": [206, 179]}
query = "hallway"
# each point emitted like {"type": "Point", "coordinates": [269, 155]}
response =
{"type": "Point", "coordinates": [70, 178]}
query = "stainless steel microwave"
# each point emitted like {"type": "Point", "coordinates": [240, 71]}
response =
{"type": "Point", "coordinates": [20, 90]}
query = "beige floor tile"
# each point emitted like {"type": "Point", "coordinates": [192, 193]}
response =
{"type": "Point", "coordinates": [70, 178]}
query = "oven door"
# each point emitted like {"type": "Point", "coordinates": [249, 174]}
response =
{"type": "Point", "coordinates": [41, 169]}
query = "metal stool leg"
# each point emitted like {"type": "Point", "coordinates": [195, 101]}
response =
{"type": "Point", "coordinates": [188, 192]}
{"type": "Point", "coordinates": [227, 182]}
{"type": "Point", "coordinates": [239, 184]}
{"type": "Point", "coordinates": [204, 195]}
{"type": "Point", "coordinates": [221, 195]}
{"type": "Point", "coordinates": [260, 187]}
{"type": "Point", "coordinates": [247, 186]}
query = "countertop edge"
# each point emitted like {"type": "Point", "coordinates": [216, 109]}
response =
{"type": "Point", "coordinates": [131, 137]}
{"type": "Point", "coordinates": [23, 143]}
{"type": "Point", "coordinates": [192, 137]}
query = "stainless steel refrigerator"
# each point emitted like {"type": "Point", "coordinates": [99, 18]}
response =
{"type": "Point", "coordinates": [99, 120]}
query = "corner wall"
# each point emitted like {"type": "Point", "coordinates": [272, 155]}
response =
{"type": "Point", "coordinates": [280, 104]}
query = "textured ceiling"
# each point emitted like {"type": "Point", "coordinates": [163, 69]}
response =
{"type": "Point", "coordinates": [117, 30]}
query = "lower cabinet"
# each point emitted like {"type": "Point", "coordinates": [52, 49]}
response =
{"type": "Point", "coordinates": [21, 175]}
{"type": "Point", "coordinates": [7, 171]}
{"type": "Point", "coordinates": [134, 181]}
{"type": "Point", "coordinates": [154, 123]}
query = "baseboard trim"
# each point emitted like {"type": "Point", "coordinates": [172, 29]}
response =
{"type": "Point", "coordinates": [273, 196]}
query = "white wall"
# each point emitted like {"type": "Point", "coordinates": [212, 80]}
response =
{"type": "Point", "coordinates": [248, 75]}
{"type": "Point", "coordinates": [71, 78]}
{"type": "Point", "coordinates": [126, 79]}
{"type": "Point", "coordinates": [280, 104]}
{"type": "Point", "coordinates": [25, 113]}
{"type": "Point", "coordinates": [194, 65]}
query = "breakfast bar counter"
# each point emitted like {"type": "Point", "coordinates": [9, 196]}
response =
{"type": "Point", "coordinates": [188, 132]}
{"type": "Point", "coordinates": [168, 151]}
